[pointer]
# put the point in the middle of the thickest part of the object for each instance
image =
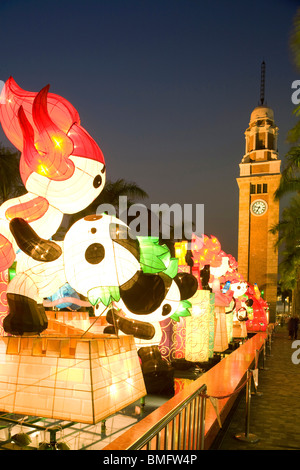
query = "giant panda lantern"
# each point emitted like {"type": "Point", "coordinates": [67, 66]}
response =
{"type": "Point", "coordinates": [61, 167]}
{"type": "Point", "coordinates": [100, 260]}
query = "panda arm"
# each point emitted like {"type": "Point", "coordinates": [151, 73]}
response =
{"type": "Point", "coordinates": [31, 244]}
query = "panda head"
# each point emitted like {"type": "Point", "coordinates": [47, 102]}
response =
{"type": "Point", "coordinates": [148, 299]}
{"type": "Point", "coordinates": [153, 298]}
{"type": "Point", "coordinates": [101, 261]}
{"type": "Point", "coordinates": [99, 256]}
{"type": "Point", "coordinates": [239, 289]}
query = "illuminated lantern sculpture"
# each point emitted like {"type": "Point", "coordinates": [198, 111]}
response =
{"type": "Point", "coordinates": [200, 328]}
{"type": "Point", "coordinates": [3, 299]}
{"type": "Point", "coordinates": [258, 320]}
{"type": "Point", "coordinates": [239, 289]}
{"type": "Point", "coordinates": [61, 166]}
{"type": "Point", "coordinates": [66, 292]}
{"type": "Point", "coordinates": [207, 252]}
{"type": "Point", "coordinates": [83, 378]}
{"type": "Point", "coordinates": [180, 253]}
{"type": "Point", "coordinates": [157, 291]}
{"type": "Point", "coordinates": [229, 320]}
{"type": "Point", "coordinates": [222, 300]}
{"type": "Point", "coordinates": [101, 261]}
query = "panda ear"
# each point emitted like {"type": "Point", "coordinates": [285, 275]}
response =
{"type": "Point", "coordinates": [187, 284]}
{"type": "Point", "coordinates": [31, 244]}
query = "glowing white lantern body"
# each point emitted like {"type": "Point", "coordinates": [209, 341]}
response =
{"type": "Point", "coordinates": [117, 266]}
{"type": "Point", "coordinates": [172, 299]}
{"type": "Point", "coordinates": [37, 280]}
{"type": "Point", "coordinates": [74, 194]}
{"type": "Point", "coordinates": [221, 337]}
{"type": "Point", "coordinates": [199, 339]}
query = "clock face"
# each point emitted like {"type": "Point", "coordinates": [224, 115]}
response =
{"type": "Point", "coordinates": [259, 207]}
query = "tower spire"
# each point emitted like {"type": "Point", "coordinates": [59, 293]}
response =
{"type": "Point", "coordinates": [262, 83]}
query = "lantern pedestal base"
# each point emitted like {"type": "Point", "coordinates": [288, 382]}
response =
{"type": "Point", "coordinates": [252, 438]}
{"type": "Point", "coordinates": [73, 378]}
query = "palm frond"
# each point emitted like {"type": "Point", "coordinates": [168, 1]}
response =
{"type": "Point", "coordinates": [295, 39]}
{"type": "Point", "coordinates": [10, 180]}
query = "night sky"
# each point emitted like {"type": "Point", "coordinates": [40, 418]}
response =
{"type": "Point", "coordinates": [165, 87]}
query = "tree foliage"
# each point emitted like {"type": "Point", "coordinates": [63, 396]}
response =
{"type": "Point", "coordinates": [295, 40]}
{"type": "Point", "coordinates": [10, 181]}
{"type": "Point", "coordinates": [288, 228]}
{"type": "Point", "coordinates": [111, 194]}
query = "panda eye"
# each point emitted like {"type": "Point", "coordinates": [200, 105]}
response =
{"type": "Point", "coordinates": [95, 253]}
{"type": "Point", "coordinates": [166, 310]}
{"type": "Point", "coordinates": [97, 181]}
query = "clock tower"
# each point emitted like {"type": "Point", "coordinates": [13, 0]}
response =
{"type": "Point", "coordinates": [258, 211]}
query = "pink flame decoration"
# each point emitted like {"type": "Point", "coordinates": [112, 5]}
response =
{"type": "Point", "coordinates": [209, 253]}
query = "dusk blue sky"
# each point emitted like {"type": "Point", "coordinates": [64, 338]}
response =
{"type": "Point", "coordinates": [166, 87]}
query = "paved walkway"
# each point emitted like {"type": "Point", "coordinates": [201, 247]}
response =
{"type": "Point", "coordinates": [275, 415]}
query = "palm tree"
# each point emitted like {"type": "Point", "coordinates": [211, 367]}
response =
{"type": "Point", "coordinates": [295, 40]}
{"type": "Point", "coordinates": [290, 177]}
{"type": "Point", "coordinates": [290, 181]}
{"type": "Point", "coordinates": [10, 181]}
{"type": "Point", "coordinates": [288, 230]}
{"type": "Point", "coordinates": [113, 190]}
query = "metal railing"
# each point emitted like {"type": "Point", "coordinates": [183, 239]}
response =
{"type": "Point", "coordinates": [181, 429]}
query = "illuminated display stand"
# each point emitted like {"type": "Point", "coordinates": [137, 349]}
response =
{"type": "Point", "coordinates": [69, 377]}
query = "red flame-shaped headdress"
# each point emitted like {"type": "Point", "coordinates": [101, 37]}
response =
{"type": "Point", "coordinates": [46, 129]}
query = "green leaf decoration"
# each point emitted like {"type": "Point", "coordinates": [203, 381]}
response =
{"type": "Point", "coordinates": [156, 258]}
{"type": "Point", "coordinates": [106, 295]}
{"type": "Point", "coordinates": [182, 310]}
{"type": "Point", "coordinates": [12, 271]}
{"type": "Point", "coordinates": [172, 269]}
